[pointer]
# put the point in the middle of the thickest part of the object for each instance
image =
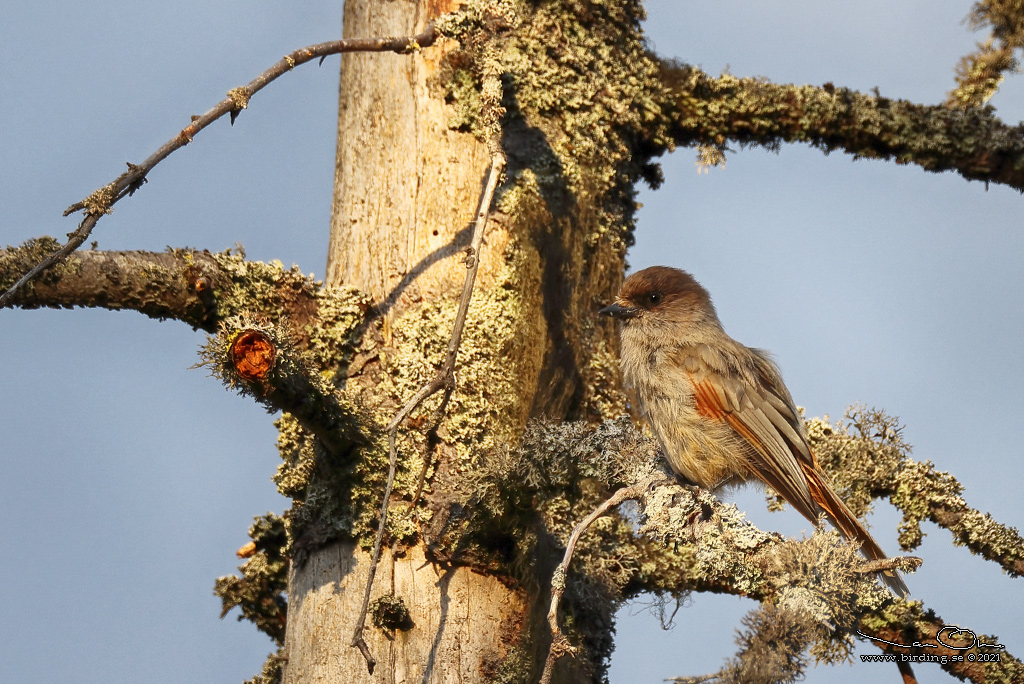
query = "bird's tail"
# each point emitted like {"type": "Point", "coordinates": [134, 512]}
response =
{"type": "Point", "coordinates": [843, 518]}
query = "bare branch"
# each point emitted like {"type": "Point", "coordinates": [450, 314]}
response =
{"type": "Point", "coordinates": [559, 644]}
{"type": "Point", "coordinates": [445, 379]}
{"type": "Point", "coordinates": [177, 284]}
{"type": "Point", "coordinates": [102, 200]}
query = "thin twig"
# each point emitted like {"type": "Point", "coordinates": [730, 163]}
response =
{"type": "Point", "coordinates": [102, 200]}
{"type": "Point", "coordinates": [431, 436]}
{"type": "Point", "coordinates": [444, 379]}
{"type": "Point", "coordinates": [559, 643]}
{"type": "Point", "coordinates": [75, 240]}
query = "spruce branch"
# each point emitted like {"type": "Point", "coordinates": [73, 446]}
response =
{"type": "Point", "coordinates": [178, 284]}
{"type": "Point", "coordinates": [201, 289]}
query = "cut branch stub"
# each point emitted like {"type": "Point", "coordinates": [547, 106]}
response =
{"type": "Point", "coordinates": [259, 358]}
{"type": "Point", "coordinates": [253, 355]}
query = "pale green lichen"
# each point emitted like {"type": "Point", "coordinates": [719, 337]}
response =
{"type": "Point", "coordinates": [560, 472]}
{"type": "Point", "coordinates": [315, 332]}
{"type": "Point", "coordinates": [577, 107]}
{"type": "Point", "coordinates": [341, 317]}
{"type": "Point", "coordinates": [513, 668]}
{"type": "Point", "coordinates": [486, 408]}
{"type": "Point", "coordinates": [325, 321]}
{"type": "Point", "coordinates": [867, 458]}
{"type": "Point", "coordinates": [602, 400]}
{"type": "Point", "coordinates": [979, 75]}
{"type": "Point", "coordinates": [16, 261]}
{"type": "Point", "coordinates": [260, 590]}
{"type": "Point", "coordinates": [706, 110]}
{"type": "Point", "coordinates": [521, 498]}
{"type": "Point", "coordinates": [332, 455]}
{"type": "Point", "coordinates": [924, 493]}
{"type": "Point", "coordinates": [861, 454]}
{"type": "Point", "coordinates": [390, 614]}
{"type": "Point", "coordinates": [331, 502]}
{"type": "Point", "coordinates": [273, 669]}
{"type": "Point", "coordinates": [251, 286]}
{"type": "Point", "coordinates": [726, 546]}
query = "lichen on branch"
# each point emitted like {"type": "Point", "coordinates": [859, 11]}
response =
{"type": "Point", "coordinates": [704, 110]}
{"type": "Point", "coordinates": [685, 540]}
{"type": "Point", "coordinates": [259, 359]}
{"type": "Point", "coordinates": [197, 287]}
{"type": "Point", "coordinates": [867, 458]}
{"type": "Point", "coordinates": [980, 73]}
{"type": "Point", "coordinates": [582, 100]}
{"type": "Point", "coordinates": [560, 472]}
{"type": "Point", "coordinates": [176, 284]}
{"type": "Point", "coordinates": [260, 590]}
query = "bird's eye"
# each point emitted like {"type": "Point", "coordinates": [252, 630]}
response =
{"type": "Point", "coordinates": [654, 298]}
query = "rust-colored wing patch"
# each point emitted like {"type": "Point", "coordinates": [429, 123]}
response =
{"type": "Point", "coordinates": [707, 401]}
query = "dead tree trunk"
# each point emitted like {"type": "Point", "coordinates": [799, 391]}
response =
{"type": "Point", "coordinates": [410, 165]}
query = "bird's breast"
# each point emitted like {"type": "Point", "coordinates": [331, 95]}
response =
{"type": "Point", "coordinates": [698, 449]}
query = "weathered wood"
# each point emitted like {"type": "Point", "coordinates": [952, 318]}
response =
{"type": "Point", "coordinates": [464, 625]}
{"type": "Point", "coordinates": [405, 194]}
{"type": "Point", "coordinates": [407, 186]}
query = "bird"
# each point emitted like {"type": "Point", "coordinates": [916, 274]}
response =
{"type": "Point", "coordinates": [720, 409]}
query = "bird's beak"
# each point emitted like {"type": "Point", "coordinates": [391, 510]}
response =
{"type": "Point", "coordinates": [616, 310]}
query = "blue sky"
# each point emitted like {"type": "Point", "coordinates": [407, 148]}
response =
{"type": "Point", "coordinates": [127, 480]}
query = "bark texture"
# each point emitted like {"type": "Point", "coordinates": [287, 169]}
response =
{"type": "Point", "coordinates": [410, 166]}
{"type": "Point", "coordinates": [405, 184]}
{"type": "Point", "coordinates": [463, 626]}
{"type": "Point", "coordinates": [405, 194]}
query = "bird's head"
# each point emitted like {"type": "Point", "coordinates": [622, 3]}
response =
{"type": "Point", "coordinates": [659, 296]}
